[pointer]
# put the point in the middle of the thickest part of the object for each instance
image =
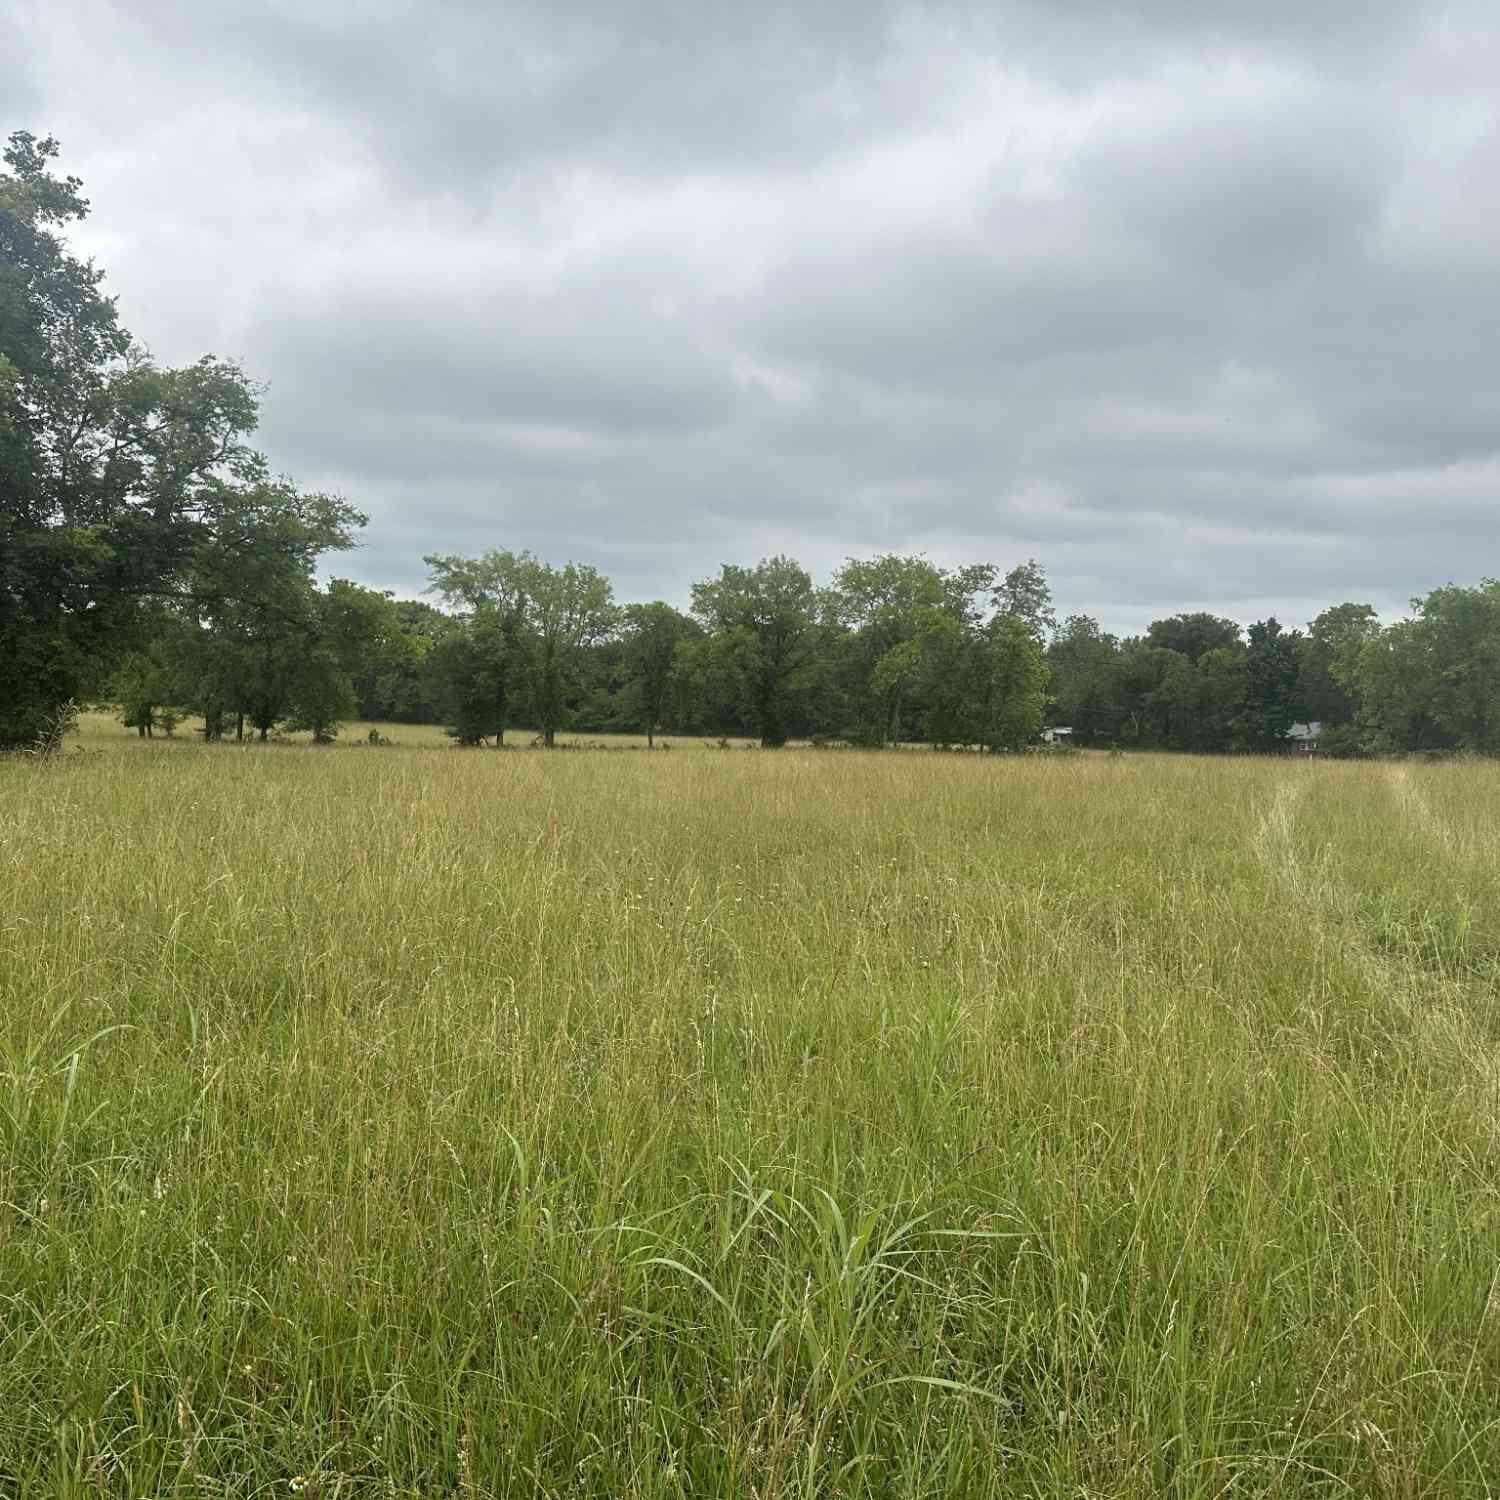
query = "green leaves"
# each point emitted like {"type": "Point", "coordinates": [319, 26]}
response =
{"type": "Point", "coordinates": [654, 634]}
{"type": "Point", "coordinates": [766, 618]}
{"type": "Point", "coordinates": [123, 485]}
{"type": "Point", "coordinates": [1429, 683]}
{"type": "Point", "coordinates": [524, 625]}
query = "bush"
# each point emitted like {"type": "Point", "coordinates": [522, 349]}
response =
{"type": "Point", "coordinates": [1341, 742]}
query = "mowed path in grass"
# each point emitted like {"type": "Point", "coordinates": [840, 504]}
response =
{"type": "Point", "coordinates": [431, 1122]}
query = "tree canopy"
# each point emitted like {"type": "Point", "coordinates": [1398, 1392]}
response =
{"type": "Point", "coordinates": [124, 488]}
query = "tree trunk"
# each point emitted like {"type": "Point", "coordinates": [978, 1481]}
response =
{"type": "Point", "coordinates": [894, 728]}
{"type": "Point", "coordinates": [549, 739]}
{"type": "Point", "coordinates": [239, 729]}
{"type": "Point", "coordinates": [650, 738]}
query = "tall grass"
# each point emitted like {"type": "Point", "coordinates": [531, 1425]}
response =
{"type": "Point", "coordinates": [426, 1122]}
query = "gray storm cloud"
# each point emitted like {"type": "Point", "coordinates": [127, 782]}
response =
{"type": "Point", "coordinates": [1195, 304]}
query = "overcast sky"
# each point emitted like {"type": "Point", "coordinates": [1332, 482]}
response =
{"type": "Point", "coordinates": [1198, 304]}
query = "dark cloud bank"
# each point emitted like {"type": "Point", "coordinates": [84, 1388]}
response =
{"type": "Point", "coordinates": [1200, 311]}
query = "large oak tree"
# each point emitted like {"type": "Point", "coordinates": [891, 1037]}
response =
{"type": "Point", "coordinates": [121, 483]}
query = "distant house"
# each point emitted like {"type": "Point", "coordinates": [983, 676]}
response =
{"type": "Point", "coordinates": [1304, 737]}
{"type": "Point", "coordinates": [1060, 735]}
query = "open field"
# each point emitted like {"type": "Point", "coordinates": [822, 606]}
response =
{"type": "Point", "coordinates": [426, 1122]}
{"type": "Point", "coordinates": [99, 731]}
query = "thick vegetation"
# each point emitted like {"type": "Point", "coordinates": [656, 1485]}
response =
{"type": "Point", "coordinates": [407, 1122]}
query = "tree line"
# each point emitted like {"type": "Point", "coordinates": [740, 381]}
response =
{"type": "Point", "coordinates": [1429, 683]}
{"type": "Point", "coordinates": [149, 556]}
{"type": "Point", "coordinates": [893, 650]}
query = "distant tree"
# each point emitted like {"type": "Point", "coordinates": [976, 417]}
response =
{"type": "Point", "coordinates": [1460, 630]}
{"type": "Point", "coordinates": [1191, 635]}
{"type": "Point", "coordinates": [1008, 683]}
{"type": "Point", "coordinates": [762, 625]}
{"type": "Point", "coordinates": [1430, 682]}
{"type": "Point", "coordinates": [984, 685]}
{"type": "Point", "coordinates": [321, 695]}
{"type": "Point", "coordinates": [881, 612]}
{"type": "Point", "coordinates": [349, 624]}
{"type": "Point", "coordinates": [1024, 595]}
{"type": "Point", "coordinates": [1222, 674]}
{"type": "Point", "coordinates": [393, 682]}
{"type": "Point", "coordinates": [947, 683]}
{"type": "Point", "coordinates": [1081, 658]}
{"type": "Point", "coordinates": [707, 692]}
{"type": "Point", "coordinates": [254, 623]}
{"type": "Point", "coordinates": [1144, 693]}
{"type": "Point", "coordinates": [568, 609]}
{"type": "Point", "coordinates": [1203, 700]}
{"type": "Point", "coordinates": [652, 636]}
{"type": "Point", "coordinates": [896, 680]}
{"type": "Point", "coordinates": [1391, 673]}
{"type": "Point", "coordinates": [145, 682]}
{"type": "Point", "coordinates": [529, 622]}
{"type": "Point", "coordinates": [1336, 633]}
{"type": "Point", "coordinates": [478, 667]}
{"type": "Point", "coordinates": [470, 671]}
{"type": "Point", "coordinates": [1270, 705]}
